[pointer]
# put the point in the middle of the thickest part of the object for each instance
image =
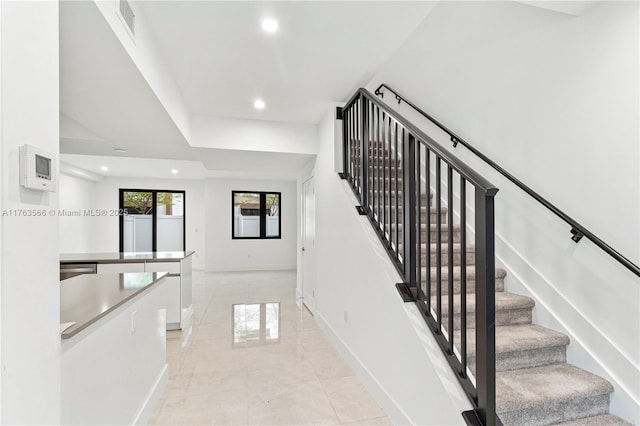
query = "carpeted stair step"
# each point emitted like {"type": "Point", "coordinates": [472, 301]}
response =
{"type": "Point", "coordinates": [520, 346]}
{"type": "Point", "coordinates": [387, 177]}
{"type": "Point", "coordinates": [381, 162]}
{"type": "Point", "coordinates": [601, 420]}
{"type": "Point", "coordinates": [444, 254]}
{"type": "Point", "coordinates": [444, 231]}
{"type": "Point", "coordinates": [386, 193]}
{"type": "Point", "coordinates": [471, 279]}
{"type": "Point", "coordinates": [511, 309]}
{"type": "Point", "coordinates": [550, 394]}
{"type": "Point", "coordinates": [423, 213]}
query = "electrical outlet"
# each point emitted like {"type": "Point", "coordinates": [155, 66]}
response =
{"type": "Point", "coordinates": [134, 314]}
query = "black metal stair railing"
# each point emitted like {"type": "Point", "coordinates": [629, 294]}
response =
{"type": "Point", "coordinates": [402, 177]}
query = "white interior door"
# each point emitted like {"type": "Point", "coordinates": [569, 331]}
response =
{"type": "Point", "coordinates": [308, 244]}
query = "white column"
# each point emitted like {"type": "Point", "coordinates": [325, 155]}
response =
{"type": "Point", "coordinates": [30, 300]}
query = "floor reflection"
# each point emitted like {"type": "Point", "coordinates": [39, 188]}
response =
{"type": "Point", "coordinates": [256, 323]}
{"type": "Point", "coordinates": [269, 364]}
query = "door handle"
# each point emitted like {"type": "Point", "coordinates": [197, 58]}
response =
{"type": "Point", "coordinates": [302, 249]}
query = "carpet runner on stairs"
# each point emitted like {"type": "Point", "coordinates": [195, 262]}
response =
{"type": "Point", "coordinates": [534, 383]}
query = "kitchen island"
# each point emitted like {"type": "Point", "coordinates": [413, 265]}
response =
{"type": "Point", "coordinates": [113, 352]}
{"type": "Point", "coordinates": [176, 263]}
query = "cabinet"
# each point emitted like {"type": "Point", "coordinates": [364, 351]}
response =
{"type": "Point", "coordinates": [174, 297]}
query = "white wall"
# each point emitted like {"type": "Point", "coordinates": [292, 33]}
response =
{"type": "Point", "coordinates": [149, 61]}
{"type": "Point", "coordinates": [252, 135]}
{"type": "Point", "coordinates": [552, 98]}
{"type": "Point", "coordinates": [75, 195]}
{"type": "Point", "coordinates": [359, 308]}
{"type": "Point", "coordinates": [30, 309]}
{"type": "Point", "coordinates": [226, 254]}
{"type": "Point", "coordinates": [105, 235]}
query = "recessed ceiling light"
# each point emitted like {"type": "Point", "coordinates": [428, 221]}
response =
{"type": "Point", "coordinates": [104, 168]}
{"type": "Point", "coordinates": [258, 104]}
{"type": "Point", "coordinates": [119, 150]}
{"type": "Point", "coordinates": [270, 25]}
{"type": "Point", "coordinates": [174, 171]}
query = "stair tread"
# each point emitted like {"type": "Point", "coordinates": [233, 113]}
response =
{"type": "Point", "coordinates": [601, 420]}
{"type": "Point", "coordinates": [433, 227]}
{"type": "Point", "coordinates": [471, 271]}
{"type": "Point", "coordinates": [520, 337]}
{"type": "Point", "coordinates": [444, 246]}
{"type": "Point", "coordinates": [504, 302]}
{"type": "Point", "coordinates": [549, 384]}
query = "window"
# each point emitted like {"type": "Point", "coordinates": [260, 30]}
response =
{"type": "Point", "coordinates": [154, 220]}
{"type": "Point", "coordinates": [255, 214]}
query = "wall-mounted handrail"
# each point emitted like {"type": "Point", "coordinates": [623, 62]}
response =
{"type": "Point", "coordinates": [577, 229]}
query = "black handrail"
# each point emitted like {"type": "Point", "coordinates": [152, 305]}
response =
{"type": "Point", "coordinates": [577, 229]}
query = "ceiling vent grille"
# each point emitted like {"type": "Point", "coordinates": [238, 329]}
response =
{"type": "Point", "coordinates": [128, 16]}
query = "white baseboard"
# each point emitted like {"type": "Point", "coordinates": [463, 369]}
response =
{"type": "Point", "coordinates": [150, 402]}
{"type": "Point", "coordinates": [379, 393]}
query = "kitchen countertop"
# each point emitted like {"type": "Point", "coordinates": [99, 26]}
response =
{"type": "Point", "coordinates": [87, 298]}
{"type": "Point", "coordinates": [125, 257]}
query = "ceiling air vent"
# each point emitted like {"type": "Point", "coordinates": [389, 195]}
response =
{"type": "Point", "coordinates": [127, 15]}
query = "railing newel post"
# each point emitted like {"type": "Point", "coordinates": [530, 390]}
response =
{"type": "Point", "coordinates": [364, 152]}
{"type": "Point", "coordinates": [409, 207]}
{"type": "Point", "coordinates": [485, 306]}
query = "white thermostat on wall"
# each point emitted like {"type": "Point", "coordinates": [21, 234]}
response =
{"type": "Point", "coordinates": [37, 169]}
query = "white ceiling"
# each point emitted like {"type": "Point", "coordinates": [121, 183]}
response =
{"type": "Point", "coordinates": [322, 51]}
{"type": "Point", "coordinates": [221, 60]}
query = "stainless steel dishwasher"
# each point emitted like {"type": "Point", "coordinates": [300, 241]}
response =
{"type": "Point", "coordinates": [68, 270]}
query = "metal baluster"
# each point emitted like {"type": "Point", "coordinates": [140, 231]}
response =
{"type": "Point", "coordinates": [418, 222]}
{"type": "Point", "coordinates": [378, 167]}
{"type": "Point", "coordinates": [372, 163]}
{"type": "Point", "coordinates": [372, 152]}
{"type": "Point", "coordinates": [438, 247]}
{"type": "Point", "coordinates": [389, 173]}
{"type": "Point", "coordinates": [428, 224]}
{"type": "Point", "coordinates": [360, 137]}
{"type": "Point", "coordinates": [450, 252]}
{"type": "Point", "coordinates": [352, 150]}
{"type": "Point", "coordinates": [409, 208]}
{"type": "Point", "coordinates": [383, 201]}
{"type": "Point", "coordinates": [355, 145]}
{"type": "Point", "coordinates": [463, 274]}
{"type": "Point", "coordinates": [396, 166]}
{"type": "Point", "coordinates": [364, 149]}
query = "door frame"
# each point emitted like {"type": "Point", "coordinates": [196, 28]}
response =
{"type": "Point", "coordinates": [153, 214]}
{"type": "Point", "coordinates": [306, 252]}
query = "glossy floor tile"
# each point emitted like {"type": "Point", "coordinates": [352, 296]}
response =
{"type": "Point", "coordinates": [255, 358]}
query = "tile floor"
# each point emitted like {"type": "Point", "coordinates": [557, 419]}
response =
{"type": "Point", "coordinates": [256, 358]}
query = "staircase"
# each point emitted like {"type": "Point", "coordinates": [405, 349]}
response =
{"type": "Point", "coordinates": [534, 383]}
